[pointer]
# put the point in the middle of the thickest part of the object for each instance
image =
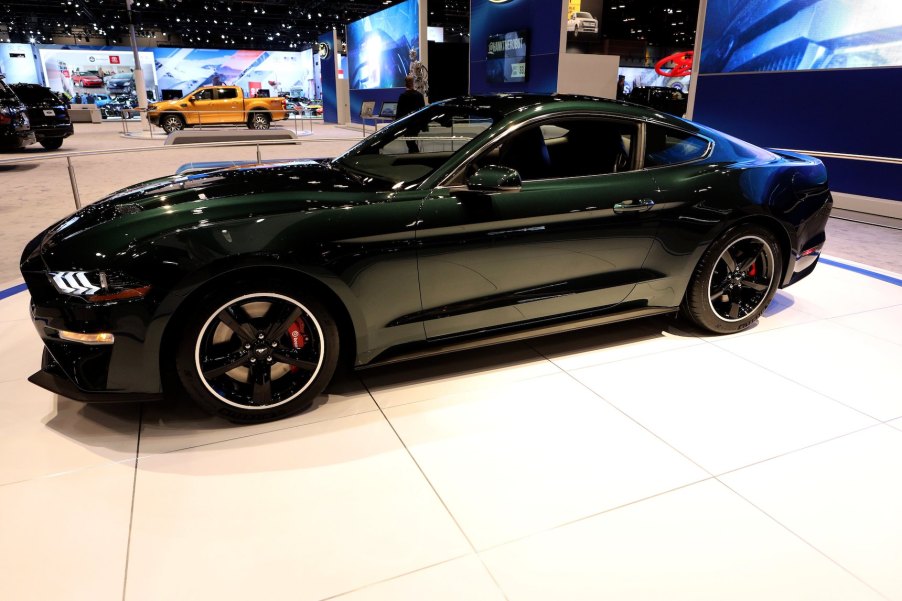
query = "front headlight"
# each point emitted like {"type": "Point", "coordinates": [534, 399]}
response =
{"type": "Point", "coordinates": [98, 286]}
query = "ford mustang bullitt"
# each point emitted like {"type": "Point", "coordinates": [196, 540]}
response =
{"type": "Point", "coordinates": [472, 221]}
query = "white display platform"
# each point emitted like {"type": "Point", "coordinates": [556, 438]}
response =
{"type": "Point", "coordinates": [635, 461]}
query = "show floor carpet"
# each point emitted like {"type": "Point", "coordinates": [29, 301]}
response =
{"type": "Point", "coordinates": [637, 461]}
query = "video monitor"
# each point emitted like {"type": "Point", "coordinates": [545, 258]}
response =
{"type": "Point", "coordinates": [366, 109]}
{"type": "Point", "coordinates": [379, 47]}
{"type": "Point", "coordinates": [389, 109]}
{"type": "Point", "coordinates": [776, 35]}
{"type": "Point", "coordinates": [506, 58]}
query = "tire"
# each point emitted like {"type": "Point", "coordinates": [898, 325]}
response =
{"type": "Point", "coordinates": [576, 31]}
{"type": "Point", "coordinates": [258, 121]}
{"type": "Point", "coordinates": [52, 143]}
{"type": "Point", "coordinates": [735, 280]}
{"type": "Point", "coordinates": [257, 353]}
{"type": "Point", "coordinates": [171, 123]}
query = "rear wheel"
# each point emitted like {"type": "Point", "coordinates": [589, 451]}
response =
{"type": "Point", "coordinates": [52, 143]}
{"type": "Point", "coordinates": [258, 121]}
{"type": "Point", "coordinates": [171, 123]}
{"type": "Point", "coordinates": [735, 280]}
{"type": "Point", "coordinates": [257, 353]}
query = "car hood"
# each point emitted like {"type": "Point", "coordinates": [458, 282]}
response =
{"type": "Point", "coordinates": [154, 208]}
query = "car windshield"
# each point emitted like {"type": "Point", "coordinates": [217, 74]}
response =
{"type": "Point", "coordinates": [409, 150]}
{"type": "Point", "coordinates": [583, 16]}
{"type": "Point", "coordinates": [122, 76]}
{"type": "Point", "coordinates": [35, 95]}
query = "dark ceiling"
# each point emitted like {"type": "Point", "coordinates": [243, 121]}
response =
{"type": "Point", "coordinates": [287, 24]}
{"type": "Point", "coordinates": [267, 24]}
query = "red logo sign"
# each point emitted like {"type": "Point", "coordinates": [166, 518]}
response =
{"type": "Point", "coordinates": [114, 60]}
{"type": "Point", "coordinates": [682, 64]}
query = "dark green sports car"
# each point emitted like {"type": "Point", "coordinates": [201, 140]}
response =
{"type": "Point", "coordinates": [472, 221]}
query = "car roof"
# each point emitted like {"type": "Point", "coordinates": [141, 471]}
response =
{"type": "Point", "coordinates": [507, 104]}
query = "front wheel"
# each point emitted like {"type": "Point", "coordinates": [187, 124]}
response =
{"type": "Point", "coordinates": [735, 280]}
{"type": "Point", "coordinates": [257, 356]}
{"type": "Point", "coordinates": [171, 123]}
{"type": "Point", "coordinates": [258, 121]}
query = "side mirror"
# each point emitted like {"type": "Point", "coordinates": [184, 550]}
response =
{"type": "Point", "coordinates": [192, 99]}
{"type": "Point", "coordinates": [495, 179]}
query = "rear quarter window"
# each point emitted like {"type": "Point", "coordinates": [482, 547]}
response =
{"type": "Point", "coordinates": [666, 146]}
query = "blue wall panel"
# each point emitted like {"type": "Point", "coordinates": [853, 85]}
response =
{"type": "Point", "coordinates": [327, 74]}
{"type": "Point", "coordinates": [848, 111]}
{"type": "Point", "coordinates": [542, 18]}
{"type": "Point", "coordinates": [877, 180]}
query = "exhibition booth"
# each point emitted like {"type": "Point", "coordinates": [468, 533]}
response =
{"type": "Point", "coordinates": [640, 459]}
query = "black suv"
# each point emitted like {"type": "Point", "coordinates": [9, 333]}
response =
{"type": "Point", "coordinates": [47, 112]}
{"type": "Point", "coordinates": [15, 129]}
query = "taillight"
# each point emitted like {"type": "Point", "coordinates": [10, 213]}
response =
{"type": "Point", "coordinates": [5, 119]}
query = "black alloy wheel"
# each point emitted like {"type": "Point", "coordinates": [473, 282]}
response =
{"type": "Point", "coordinates": [735, 280]}
{"type": "Point", "coordinates": [258, 356]}
{"type": "Point", "coordinates": [258, 121]}
{"type": "Point", "coordinates": [171, 123]}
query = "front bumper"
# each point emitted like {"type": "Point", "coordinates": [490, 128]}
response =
{"type": "Point", "coordinates": [52, 377]}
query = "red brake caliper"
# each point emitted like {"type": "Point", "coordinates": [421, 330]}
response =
{"type": "Point", "coordinates": [298, 338]}
{"type": "Point", "coordinates": [753, 270]}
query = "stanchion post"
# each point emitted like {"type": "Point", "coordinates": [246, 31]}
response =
{"type": "Point", "coordinates": [259, 158]}
{"type": "Point", "coordinates": [74, 183]}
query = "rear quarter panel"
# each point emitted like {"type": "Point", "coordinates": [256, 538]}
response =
{"type": "Point", "coordinates": [698, 202]}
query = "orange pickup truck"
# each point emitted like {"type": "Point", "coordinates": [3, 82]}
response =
{"type": "Point", "coordinates": [216, 105]}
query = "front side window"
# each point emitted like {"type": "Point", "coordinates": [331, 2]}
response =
{"type": "Point", "coordinates": [204, 95]}
{"type": "Point", "coordinates": [564, 147]}
{"type": "Point", "coordinates": [666, 146]}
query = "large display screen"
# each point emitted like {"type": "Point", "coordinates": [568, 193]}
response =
{"type": "Point", "coordinates": [793, 35]}
{"type": "Point", "coordinates": [379, 47]}
{"type": "Point", "coordinates": [186, 69]}
{"type": "Point", "coordinates": [506, 57]}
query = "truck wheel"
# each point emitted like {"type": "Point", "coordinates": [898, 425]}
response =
{"type": "Point", "coordinates": [52, 143]}
{"type": "Point", "coordinates": [258, 121]}
{"type": "Point", "coordinates": [171, 123]}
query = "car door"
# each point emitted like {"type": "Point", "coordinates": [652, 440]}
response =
{"type": "Point", "coordinates": [202, 107]}
{"type": "Point", "coordinates": [572, 240]}
{"type": "Point", "coordinates": [229, 107]}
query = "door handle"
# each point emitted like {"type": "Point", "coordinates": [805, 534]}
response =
{"type": "Point", "coordinates": [634, 206]}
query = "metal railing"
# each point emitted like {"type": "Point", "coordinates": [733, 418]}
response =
{"type": "Point", "coordinates": [68, 156]}
{"type": "Point", "coordinates": [849, 157]}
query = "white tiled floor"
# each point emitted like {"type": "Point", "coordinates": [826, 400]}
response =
{"type": "Point", "coordinates": [638, 461]}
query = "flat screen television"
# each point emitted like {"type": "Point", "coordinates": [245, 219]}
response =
{"type": "Point", "coordinates": [379, 47]}
{"type": "Point", "coordinates": [389, 109]}
{"type": "Point", "coordinates": [506, 59]}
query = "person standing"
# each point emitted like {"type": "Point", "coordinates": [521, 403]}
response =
{"type": "Point", "coordinates": [410, 101]}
